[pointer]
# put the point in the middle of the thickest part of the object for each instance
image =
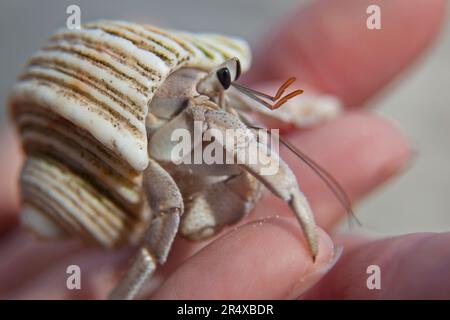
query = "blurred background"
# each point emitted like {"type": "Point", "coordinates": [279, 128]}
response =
{"type": "Point", "coordinates": [418, 200]}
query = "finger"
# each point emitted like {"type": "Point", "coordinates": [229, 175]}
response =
{"type": "Point", "coordinates": [99, 268]}
{"type": "Point", "coordinates": [23, 257]}
{"type": "Point", "coordinates": [244, 263]}
{"type": "Point", "coordinates": [10, 162]}
{"type": "Point", "coordinates": [413, 266]}
{"type": "Point", "coordinates": [95, 269]}
{"type": "Point", "coordinates": [328, 45]}
{"type": "Point", "coordinates": [360, 150]}
{"type": "Point", "coordinates": [34, 269]}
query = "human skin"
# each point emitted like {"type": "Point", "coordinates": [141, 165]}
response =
{"type": "Point", "coordinates": [328, 48]}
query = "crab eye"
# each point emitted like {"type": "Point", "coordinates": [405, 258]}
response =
{"type": "Point", "coordinates": [224, 77]}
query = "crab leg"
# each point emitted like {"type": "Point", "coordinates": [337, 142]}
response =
{"type": "Point", "coordinates": [282, 182]}
{"type": "Point", "coordinates": [166, 203]}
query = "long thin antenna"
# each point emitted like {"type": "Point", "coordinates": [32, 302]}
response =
{"type": "Point", "coordinates": [279, 101]}
{"type": "Point", "coordinates": [280, 91]}
{"type": "Point", "coordinates": [325, 176]}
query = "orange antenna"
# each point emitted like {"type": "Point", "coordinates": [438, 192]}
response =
{"type": "Point", "coordinates": [278, 99]}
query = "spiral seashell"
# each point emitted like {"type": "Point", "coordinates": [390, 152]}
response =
{"type": "Point", "coordinates": [80, 107]}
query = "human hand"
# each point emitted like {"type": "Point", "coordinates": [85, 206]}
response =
{"type": "Point", "coordinates": [327, 47]}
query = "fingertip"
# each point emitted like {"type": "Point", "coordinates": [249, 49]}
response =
{"type": "Point", "coordinates": [259, 260]}
{"type": "Point", "coordinates": [407, 267]}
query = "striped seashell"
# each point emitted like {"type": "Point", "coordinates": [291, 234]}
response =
{"type": "Point", "coordinates": [80, 107]}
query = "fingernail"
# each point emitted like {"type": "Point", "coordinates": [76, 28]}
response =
{"type": "Point", "coordinates": [310, 279]}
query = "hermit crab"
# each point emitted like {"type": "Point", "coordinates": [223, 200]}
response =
{"type": "Point", "coordinates": [96, 108]}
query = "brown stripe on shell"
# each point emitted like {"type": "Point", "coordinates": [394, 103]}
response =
{"type": "Point", "coordinates": [73, 89]}
{"type": "Point", "coordinates": [162, 39]}
{"type": "Point", "coordinates": [84, 206]}
{"type": "Point", "coordinates": [104, 46]}
{"type": "Point", "coordinates": [98, 84]}
{"type": "Point", "coordinates": [142, 42]}
{"type": "Point", "coordinates": [38, 139]}
{"type": "Point", "coordinates": [30, 116]}
{"type": "Point", "coordinates": [64, 143]}
{"type": "Point", "coordinates": [102, 60]}
{"type": "Point", "coordinates": [173, 37]}
{"type": "Point", "coordinates": [130, 63]}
